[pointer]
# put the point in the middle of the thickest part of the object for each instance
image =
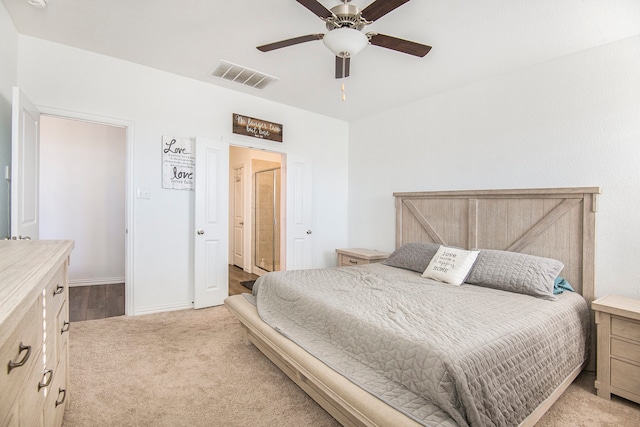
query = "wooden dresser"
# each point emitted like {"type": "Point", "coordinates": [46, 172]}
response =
{"type": "Point", "coordinates": [618, 363]}
{"type": "Point", "coordinates": [34, 325]}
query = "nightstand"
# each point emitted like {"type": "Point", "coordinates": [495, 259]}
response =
{"type": "Point", "coordinates": [618, 361]}
{"type": "Point", "coordinates": [359, 256]}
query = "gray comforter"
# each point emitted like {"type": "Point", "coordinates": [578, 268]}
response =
{"type": "Point", "coordinates": [443, 355]}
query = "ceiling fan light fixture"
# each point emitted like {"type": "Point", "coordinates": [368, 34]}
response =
{"type": "Point", "coordinates": [40, 4]}
{"type": "Point", "coordinates": [345, 42]}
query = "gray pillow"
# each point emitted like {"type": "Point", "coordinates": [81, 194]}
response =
{"type": "Point", "coordinates": [515, 272]}
{"type": "Point", "coordinates": [412, 256]}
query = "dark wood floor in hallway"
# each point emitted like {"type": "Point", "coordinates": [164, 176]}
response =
{"type": "Point", "coordinates": [101, 301]}
{"type": "Point", "coordinates": [237, 276]}
{"type": "Point", "coordinates": [96, 301]}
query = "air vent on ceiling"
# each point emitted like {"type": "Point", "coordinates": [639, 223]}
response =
{"type": "Point", "coordinates": [243, 75]}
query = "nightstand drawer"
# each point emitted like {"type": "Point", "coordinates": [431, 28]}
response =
{"type": "Point", "coordinates": [348, 260]}
{"type": "Point", "coordinates": [625, 328]}
{"type": "Point", "coordinates": [625, 376]}
{"type": "Point", "coordinates": [625, 349]}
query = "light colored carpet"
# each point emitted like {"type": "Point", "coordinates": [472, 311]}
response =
{"type": "Point", "coordinates": [191, 368]}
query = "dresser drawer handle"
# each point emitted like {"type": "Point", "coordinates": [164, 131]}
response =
{"type": "Point", "coordinates": [22, 348]}
{"type": "Point", "coordinates": [58, 290]}
{"type": "Point", "coordinates": [65, 327]}
{"type": "Point", "coordinates": [352, 261]}
{"type": "Point", "coordinates": [64, 396]}
{"type": "Point", "coordinates": [46, 381]}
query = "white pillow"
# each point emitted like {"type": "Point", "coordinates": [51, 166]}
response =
{"type": "Point", "coordinates": [450, 265]}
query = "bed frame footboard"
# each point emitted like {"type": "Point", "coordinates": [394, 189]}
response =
{"type": "Point", "coordinates": [346, 402]}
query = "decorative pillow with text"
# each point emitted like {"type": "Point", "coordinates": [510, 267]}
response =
{"type": "Point", "coordinates": [450, 265]}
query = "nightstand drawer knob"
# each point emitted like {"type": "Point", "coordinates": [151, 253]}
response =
{"type": "Point", "coordinates": [309, 231]}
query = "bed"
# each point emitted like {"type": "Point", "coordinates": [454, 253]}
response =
{"type": "Point", "coordinates": [444, 385]}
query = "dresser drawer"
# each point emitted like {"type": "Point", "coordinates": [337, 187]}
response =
{"type": "Point", "coordinates": [62, 329]}
{"type": "Point", "coordinates": [625, 328]}
{"type": "Point", "coordinates": [625, 376]}
{"type": "Point", "coordinates": [347, 260]}
{"type": "Point", "coordinates": [12, 418]}
{"type": "Point", "coordinates": [56, 340]}
{"type": "Point", "coordinates": [56, 400]}
{"type": "Point", "coordinates": [32, 396]}
{"type": "Point", "coordinates": [53, 297]}
{"type": "Point", "coordinates": [29, 336]}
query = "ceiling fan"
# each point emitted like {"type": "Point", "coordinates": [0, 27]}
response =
{"type": "Point", "coordinates": [345, 37]}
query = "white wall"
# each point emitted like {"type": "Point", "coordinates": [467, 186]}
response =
{"type": "Point", "coordinates": [158, 103]}
{"type": "Point", "coordinates": [82, 195]}
{"type": "Point", "coordinates": [574, 121]}
{"type": "Point", "coordinates": [8, 79]}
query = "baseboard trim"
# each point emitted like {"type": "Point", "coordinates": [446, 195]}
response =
{"type": "Point", "coordinates": [99, 281]}
{"type": "Point", "coordinates": [162, 308]}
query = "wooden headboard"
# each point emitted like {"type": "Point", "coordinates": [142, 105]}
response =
{"type": "Point", "coordinates": [555, 223]}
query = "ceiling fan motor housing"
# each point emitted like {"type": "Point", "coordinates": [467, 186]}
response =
{"type": "Point", "coordinates": [346, 16]}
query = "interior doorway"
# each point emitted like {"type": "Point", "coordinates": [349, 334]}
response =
{"type": "Point", "coordinates": [83, 198]}
{"type": "Point", "coordinates": [256, 213]}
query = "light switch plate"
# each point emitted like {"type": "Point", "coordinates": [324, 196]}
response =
{"type": "Point", "coordinates": [143, 193]}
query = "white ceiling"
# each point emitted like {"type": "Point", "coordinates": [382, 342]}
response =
{"type": "Point", "coordinates": [472, 40]}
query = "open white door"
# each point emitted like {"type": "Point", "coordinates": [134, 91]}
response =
{"type": "Point", "coordinates": [238, 216]}
{"type": "Point", "coordinates": [299, 231]}
{"type": "Point", "coordinates": [211, 251]}
{"type": "Point", "coordinates": [25, 166]}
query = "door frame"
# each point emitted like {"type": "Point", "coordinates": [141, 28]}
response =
{"type": "Point", "coordinates": [283, 151]}
{"type": "Point", "coordinates": [129, 191]}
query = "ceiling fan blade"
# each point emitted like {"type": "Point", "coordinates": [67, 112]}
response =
{"type": "Point", "coordinates": [315, 7]}
{"type": "Point", "coordinates": [342, 67]}
{"type": "Point", "coordinates": [379, 8]}
{"type": "Point", "coordinates": [400, 45]}
{"type": "Point", "coordinates": [290, 42]}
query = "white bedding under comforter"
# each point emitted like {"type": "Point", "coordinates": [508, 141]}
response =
{"type": "Point", "coordinates": [443, 355]}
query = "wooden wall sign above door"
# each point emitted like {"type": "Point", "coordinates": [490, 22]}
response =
{"type": "Point", "coordinates": [257, 128]}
